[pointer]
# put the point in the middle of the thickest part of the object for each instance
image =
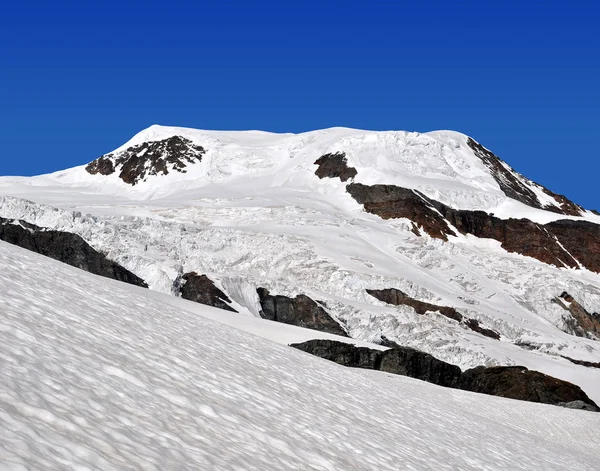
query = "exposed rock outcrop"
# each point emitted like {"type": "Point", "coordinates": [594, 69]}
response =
{"type": "Point", "coordinates": [201, 289]}
{"type": "Point", "coordinates": [301, 311]}
{"type": "Point", "coordinates": [581, 322]}
{"type": "Point", "coordinates": [345, 354]}
{"type": "Point", "coordinates": [65, 247]}
{"type": "Point", "coordinates": [513, 184]}
{"type": "Point", "coordinates": [149, 158]}
{"type": "Point", "coordinates": [334, 166]}
{"type": "Point", "coordinates": [391, 202]}
{"type": "Point", "coordinates": [545, 242]}
{"type": "Point", "coordinates": [398, 298]}
{"type": "Point", "coordinates": [588, 364]}
{"type": "Point", "coordinates": [399, 360]}
{"type": "Point", "coordinates": [473, 324]}
{"type": "Point", "coordinates": [563, 243]}
{"type": "Point", "coordinates": [515, 382]}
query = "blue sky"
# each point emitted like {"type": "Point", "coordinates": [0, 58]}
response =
{"type": "Point", "coordinates": [78, 79]}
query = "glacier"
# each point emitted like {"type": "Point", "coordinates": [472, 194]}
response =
{"type": "Point", "coordinates": [253, 214]}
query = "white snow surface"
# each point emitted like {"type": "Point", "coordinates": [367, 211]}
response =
{"type": "Point", "coordinates": [253, 214]}
{"type": "Point", "coordinates": [98, 374]}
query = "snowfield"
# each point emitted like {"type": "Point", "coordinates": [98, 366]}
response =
{"type": "Point", "coordinates": [97, 374]}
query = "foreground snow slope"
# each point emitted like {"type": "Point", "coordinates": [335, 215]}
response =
{"type": "Point", "coordinates": [98, 375]}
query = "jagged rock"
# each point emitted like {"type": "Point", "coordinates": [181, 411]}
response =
{"type": "Point", "coordinates": [398, 298]}
{"type": "Point", "coordinates": [561, 243]}
{"type": "Point", "coordinates": [301, 311]}
{"type": "Point", "coordinates": [517, 382]}
{"type": "Point", "coordinates": [201, 289]}
{"type": "Point", "coordinates": [334, 166]}
{"type": "Point", "coordinates": [511, 183]}
{"type": "Point", "coordinates": [149, 158]}
{"type": "Point", "coordinates": [65, 247]}
{"type": "Point", "coordinates": [582, 323]}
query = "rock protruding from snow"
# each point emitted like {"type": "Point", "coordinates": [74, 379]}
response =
{"type": "Point", "coordinates": [201, 289]}
{"type": "Point", "coordinates": [65, 247]}
{"type": "Point", "coordinates": [335, 166]}
{"type": "Point", "coordinates": [581, 323]}
{"type": "Point", "coordinates": [301, 311]}
{"type": "Point", "coordinates": [515, 382]}
{"type": "Point", "coordinates": [398, 360]}
{"type": "Point", "coordinates": [517, 187]}
{"type": "Point", "coordinates": [137, 162]}
{"type": "Point", "coordinates": [563, 243]}
{"type": "Point", "coordinates": [394, 202]}
{"type": "Point", "coordinates": [398, 298]}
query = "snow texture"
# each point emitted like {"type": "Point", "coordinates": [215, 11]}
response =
{"type": "Point", "coordinates": [97, 374]}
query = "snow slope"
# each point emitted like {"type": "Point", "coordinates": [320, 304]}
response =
{"type": "Point", "coordinates": [253, 214]}
{"type": "Point", "coordinates": [98, 375]}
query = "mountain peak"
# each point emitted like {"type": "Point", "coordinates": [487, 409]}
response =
{"type": "Point", "coordinates": [137, 162]}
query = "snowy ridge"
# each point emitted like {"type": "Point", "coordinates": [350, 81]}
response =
{"type": "Point", "coordinates": [253, 214]}
{"type": "Point", "coordinates": [149, 381]}
{"type": "Point", "coordinates": [440, 164]}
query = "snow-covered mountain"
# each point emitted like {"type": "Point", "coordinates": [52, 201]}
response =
{"type": "Point", "coordinates": [436, 218]}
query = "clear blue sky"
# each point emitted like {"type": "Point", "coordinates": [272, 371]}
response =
{"type": "Point", "coordinates": [523, 78]}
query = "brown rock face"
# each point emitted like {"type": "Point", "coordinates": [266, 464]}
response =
{"type": "Point", "coordinates": [520, 236]}
{"type": "Point", "coordinates": [517, 382]}
{"type": "Point", "coordinates": [581, 239]}
{"type": "Point", "coordinates": [561, 243]}
{"type": "Point", "coordinates": [512, 183]}
{"type": "Point", "coordinates": [103, 166]}
{"type": "Point", "coordinates": [201, 289]}
{"type": "Point", "coordinates": [334, 166]}
{"type": "Point", "coordinates": [301, 311]}
{"type": "Point", "coordinates": [390, 202]}
{"type": "Point", "coordinates": [582, 323]}
{"type": "Point", "coordinates": [398, 298]}
{"type": "Point", "coordinates": [149, 158]}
